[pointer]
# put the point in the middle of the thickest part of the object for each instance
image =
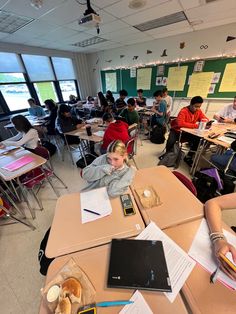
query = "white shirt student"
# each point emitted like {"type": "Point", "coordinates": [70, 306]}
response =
{"type": "Point", "coordinates": [168, 99]}
{"type": "Point", "coordinates": [227, 114]}
{"type": "Point", "coordinates": [27, 136]}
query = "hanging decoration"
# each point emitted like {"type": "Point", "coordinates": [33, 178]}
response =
{"type": "Point", "coordinates": [135, 57]}
{"type": "Point", "coordinates": [229, 38]}
{"type": "Point", "coordinates": [109, 61]}
{"type": "Point", "coordinates": [182, 45]}
{"type": "Point", "coordinates": [122, 56]}
{"type": "Point", "coordinates": [164, 54]}
{"type": "Point", "coordinates": [149, 51]}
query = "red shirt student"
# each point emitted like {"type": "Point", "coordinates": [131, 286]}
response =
{"type": "Point", "coordinates": [117, 130]}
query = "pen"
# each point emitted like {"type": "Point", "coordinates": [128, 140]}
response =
{"type": "Point", "coordinates": [113, 303]}
{"type": "Point", "coordinates": [91, 211]}
{"type": "Point", "coordinates": [214, 275]}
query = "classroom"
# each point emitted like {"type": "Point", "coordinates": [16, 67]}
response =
{"type": "Point", "coordinates": [118, 156]}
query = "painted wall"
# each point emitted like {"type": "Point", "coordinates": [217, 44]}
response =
{"type": "Point", "coordinates": [79, 61]}
{"type": "Point", "coordinates": [214, 38]}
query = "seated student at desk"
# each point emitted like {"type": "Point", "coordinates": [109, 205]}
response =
{"type": "Point", "coordinates": [111, 170]}
{"type": "Point", "coordinates": [188, 117]}
{"type": "Point", "coordinates": [120, 103]}
{"type": "Point", "coordinates": [65, 122]}
{"type": "Point", "coordinates": [116, 130]}
{"type": "Point", "coordinates": [221, 160]}
{"type": "Point", "coordinates": [140, 100]}
{"type": "Point", "coordinates": [213, 209]}
{"type": "Point", "coordinates": [130, 114]}
{"type": "Point", "coordinates": [159, 109]}
{"type": "Point", "coordinates": [110, 99]}
{"type": "Point", "coordinates": [27, 136]}
{"type": "Point", "coordinates": [35, 110]}
{"type": "Point", "coordinates": [227, 114]}
{"type": "Point", "coordinates": [51, 119]}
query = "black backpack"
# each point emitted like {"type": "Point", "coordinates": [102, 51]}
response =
{"type": "Point", "coordinates": [205, 185]}
{"type": "Point", "coordinates": [44, 261]}
{"type": "Point", "coordinates": [172, 158]}
{"type": "Point", "coordinates": [50, 147]}
{"type": "Point", "coordinates": [89, 159]}
{"type": "Point", "coordinates": [158, 134]}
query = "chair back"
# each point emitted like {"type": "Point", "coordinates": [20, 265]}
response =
{"type": "Point", "coordinates": [186, 181]}
{"type": "Point", "coordinates": [42, 152]}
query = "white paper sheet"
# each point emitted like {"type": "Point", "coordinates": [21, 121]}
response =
{"type": "Point", "coordinates": [96, 200]}
{"type": "Point", "coordinates": [7, 149]}
{"type": "Point", "coordinates": [178, 262]}
{"type": "Point", "coordinates": [201, 251]}
{"type": "Point", "coordinates": [225, 139]}
{"type": "Point", "coordinates": [99, 133]}
{"type": "Point", "coordinates": [139, 306]}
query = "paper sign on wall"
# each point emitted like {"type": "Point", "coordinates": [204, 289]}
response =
{"type": "Point", "coordinates": [144, 78]}
{"type": "Point", "coordinates": [160, 70]}
{"type": "Point", "coordinates": [133, 72]}
{"type": "Point", "coordinates": [228, 83]}
{"type": "Point", "coordinates": [158, 80]}
{"type": "Point", "coordinates": [176, 78]}
{"type": "Point", "coordinates": [212, 89]}
{"type": "Point", "coordinates": [110, 80]}
{"type": "Point", "coordinates": [216, 78]}
{"type": "Point", "coordinates": [200, 84]}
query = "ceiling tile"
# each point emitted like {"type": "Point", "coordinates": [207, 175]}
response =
{"type": "Point", "coordinates": [122, 9]}
{"type": "Point", "coordinates": [76, 38]}
{"type": "Point", "coordinates": [15, 38]}
{"type": "Point", "coordinates": [122, 33]}
{"type": "Point", "coordinates": [214, 23]}
{"type": "Point", "coordinates": [36, 28]}
{"type": "Point", "coordinates": [173, 32]}
{"type": "Point", "coordinates": [153, 13]}
{"type": "Point", "coordinates": [106, 17]}
{"type": "Point", "coordinates": [103, 3]}
{"type": "Point", "coordinates": [37, 42]}
{"type": "Point", "coordinates": [187, 4]}
{"type": "Point", "coordinates": [167, 28]}
{"type": "Point", "coordinates": [3, 35]}
{"type": "Point", "coordinates": [59, 34]}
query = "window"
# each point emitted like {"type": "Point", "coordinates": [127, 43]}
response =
{"type": "Point", "coordinates": [39, 68]}
{"type": "Point", "coordinates": [63, 68]}
{"type": "Point", "coordinates": [45, 90]}
{"type": "Point", "coordinates": [67, 88]}
{"type": "Point", "coordinates": [14, 90]}
{"type": "Point", "coordinates": [10, 62]}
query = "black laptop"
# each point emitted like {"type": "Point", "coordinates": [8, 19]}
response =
{"type": "Point", "coordinates": [138, 264]}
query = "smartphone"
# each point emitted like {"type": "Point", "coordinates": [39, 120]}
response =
{"type": "Point", "coordinates": [127, 205]}
{"type": "Point", "coordinates": [222, 118]}
{"type": "Point", "coordinates": [213, 135]}
{"type": "Point", "coordinates": [229, 261]}
{"type": "Point", "coordinates": [90, 310]}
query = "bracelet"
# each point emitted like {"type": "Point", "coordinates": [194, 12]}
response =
{"type": "Point", "coordinates": [216, 236]}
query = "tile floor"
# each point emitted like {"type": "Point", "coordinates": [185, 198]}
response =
{"type": "Point", "coordinates": [20, 280]}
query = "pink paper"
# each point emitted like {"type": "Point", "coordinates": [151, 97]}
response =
{"type": "Point", "coordinates": [19, 163]}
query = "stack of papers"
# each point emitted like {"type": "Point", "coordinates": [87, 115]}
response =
{"type": "Point", "coordinates": [7, 149]}
{"type": "Point", "coordinates": [225, 139]}
{"type": "Point", "coordinates": [201, 251]}
{"type": "Point", "coordinates": [21, 162]}
{"type": "Point", "coordinates": [99, 133]}
{"type": "Point", "coordinates": [178, 262]}
{"type": "Point", "coordinates": [96, 201]}
{"type": "Point", "coordinates": [139, 306]}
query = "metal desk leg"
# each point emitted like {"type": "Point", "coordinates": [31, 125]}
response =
{"type": "Point", "coordinates": [200, 149]}
{"type": "Point", "coordinates": [26, 223]}
{"type": "Point", "coordinates": [12, 202]}
{"type": "Point", "coordinates": [26, 199]}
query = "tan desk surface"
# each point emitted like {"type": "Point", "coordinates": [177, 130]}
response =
{"type": "Point", "coordinates": [202, 297]}
{"type": "Point", "coordinates": [69, 235]}
{"type": "Point", "coordinates": [178, 203]}
{"type": "Point", "coordinates": [88, 260]}
{"type": "Point", "coordinates": [14, 155]}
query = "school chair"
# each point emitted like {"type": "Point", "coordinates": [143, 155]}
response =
{"type": "Point", "coordinates": [188, 183]}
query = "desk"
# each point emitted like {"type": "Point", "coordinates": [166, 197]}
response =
{"type": "Point", "coordinates": [69, 235]}
{"type": "Point", "coordinates": [88, 260]}
{"type": "Point", "coordinates": [202, 296]}
{"type": "Point", "coordinates": [178, 203]}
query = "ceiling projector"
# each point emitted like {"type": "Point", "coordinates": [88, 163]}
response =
{"type": "Point", "coordinates": [90, 20]}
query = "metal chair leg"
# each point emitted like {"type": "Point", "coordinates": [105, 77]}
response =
{"type": "Point", "coordinates": [59, 179]}
{"type": "Point", "coordinates": [37, 200]}
{"type": "Point", "coordinates": [26, 199]}
{"type": "Point", "coordinates": [24, 222]}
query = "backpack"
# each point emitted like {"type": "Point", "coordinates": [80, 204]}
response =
{"type": "Point", "coordinates": [158, 134]}
{"type": "Point", "coordinates": [89, 159]}
{"type": "Point", "coordinates": [172, 158]}
{"type": "Point", "coordinates": [44, 261]}
{"type": "Point", "coordinates": [205, 185]}
{"type": "Point", "coordinates": [50, 147]}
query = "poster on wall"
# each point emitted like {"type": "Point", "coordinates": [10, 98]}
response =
{"type": "Point", "coordinates": [198, 67]}
{"type": "Point", "coordinates": [200, 84]}
{"type": "Point", "coordinates": [212, 89]}
{"type": "Point", "coordinates": [216, 78]}
{"type": "Point", "coordinates": [144, 76]}
{"type": "Point", "coordinates": [164, 81]}
{"type": "Point", "coordinates": [133, 72]}
{"type": "Point", "coordinates": [158, 80]}
{"type": "Point", "coordinates": [111, 82]}
{"type": "Point", "coordinates": [176, 78]}
{"type": "Point", "coordinates": [160, 70]}
{"type": "Point", "coordinates": [228, 83]}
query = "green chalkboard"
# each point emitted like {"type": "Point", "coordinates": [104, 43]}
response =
{"type": "Point", "coordinates": [124, 81]}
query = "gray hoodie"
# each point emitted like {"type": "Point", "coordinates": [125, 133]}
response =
{"type": "Point", "coordinates": [99, 173]}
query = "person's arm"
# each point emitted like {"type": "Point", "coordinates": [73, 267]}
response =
{"type": "Point", "coordinates": [120, 185]}
{"type": "Point", "coordinates": [158, 111]}
{"type": "Point", "coordinates": [24, 138]}
{"type": "Point", "coordinates": [182, 123]}
{"type": "Point", "coordinates": [98, 169]}
{"type": "Point", "coordinates": [42, 112]}
{"type": "Point", "coordinates": [213, 210]}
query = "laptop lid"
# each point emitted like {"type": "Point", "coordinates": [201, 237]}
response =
{"type": "Point", "coordinates": [138, 264]}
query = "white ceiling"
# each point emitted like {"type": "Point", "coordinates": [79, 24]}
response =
{"type": "Point", "coordinates": [55, 25]}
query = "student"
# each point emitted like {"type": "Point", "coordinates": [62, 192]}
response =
{"type": "Point", "coordinates": [27, 136]}
{"type": "Point", "coordinates": [227, 114]}
{"type": "Point", "coordinates": [72, 100]}
{"type": "Point", "coordinates": [102, 105]}
{"type": "Point", "coordinates": [89, 103]}
{"type": "Point", "coordinates": [120, 103]}
{"type": "Point", "coordinates": [140, 100]}
{"type": "Point", "coordinates": [129, 113]}
{"type": "Point", "coordinates": [65, 122]}
{"type": "Point", "coordinates": [159, 108]}
{"type": "Point", "coordinates": [213, 210]}
{"type": "Point", "coordinates": [188, 117]}
{"type": "Point", "coordinates": [111, 170]}
{"type": "Point", "coordinates": [35, 110]}
{"type": "Point", "coordinates": [51, 106]}
{"type": "Point", "coordinates": [221, 160]}
{"type": "Point", "coordinates": [116, 130]}
{"type": "Point", "coordinates": [168, 99]}
{"type": "Point", "coordinates": [109, 97]}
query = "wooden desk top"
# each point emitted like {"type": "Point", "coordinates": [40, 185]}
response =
{"type": "Point", "coordinates": [202, 297]}
{"type": "Point", "coordinates": [14, 155]}
{"type": "Point", "coordinates": [88, 260]}
{"type": "Point", "coordinates": [69, 235]}
{"type": "Point", "coordinates": [81, 133]}
{"type": "Point", "coordinates": [178, 203]}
